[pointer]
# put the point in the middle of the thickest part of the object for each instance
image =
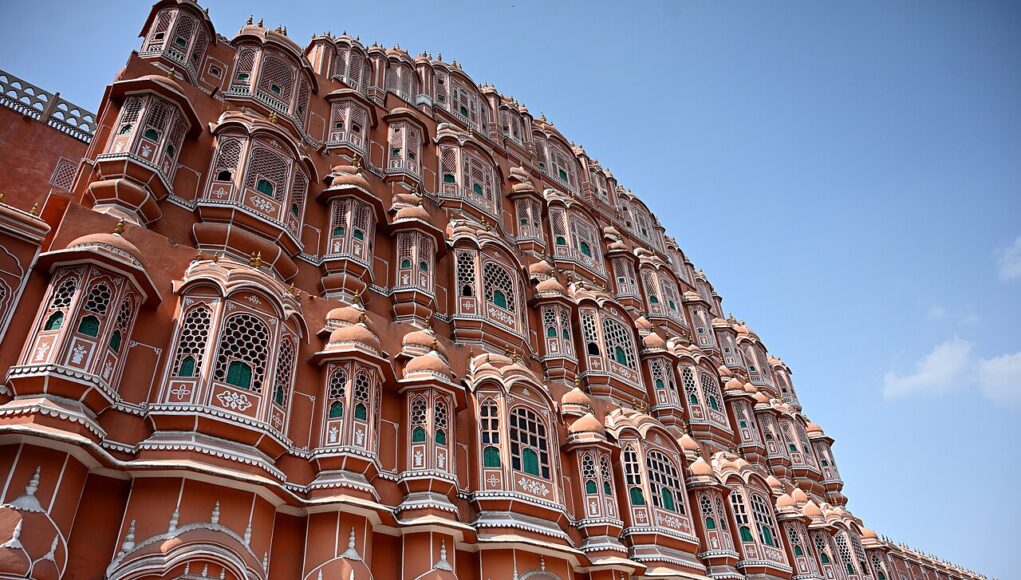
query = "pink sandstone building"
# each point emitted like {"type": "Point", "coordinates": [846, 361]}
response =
{"type": "Point", "coordinates": [339, 312]}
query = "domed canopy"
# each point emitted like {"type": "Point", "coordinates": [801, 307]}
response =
{"type": "Point", "coordinates": [654, 341]}
{"type": "Point", "coordinates": [114, 242]}
{"type": "Point", "coordinates": [429, 363]}
{"type": "Point", "coordinates": [688, 443]}
{"type": "Point", "coordinates": [587, 424]}
{"type": "Point", "coordinates": [550, 285]}
{"type": "Point", "coordinates": [700, 467]}
{"type": "Point", "coordinates": [541, 268]}
{"type": "Point", "coordinates": [354, 334]}
{"type": "Point", "coordinates": [576, 396]}
{"type": "Point", "coordinates": [423, 339]}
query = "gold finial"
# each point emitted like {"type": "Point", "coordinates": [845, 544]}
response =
{"type": "Point", "coordinates": [249, 21]}
{"type": "Point", "coordinates": [284, 30]}
{"type": "Point", "coordinates": [34, 210]}
{"type": "Point", "coordinates": [435, 345]}
{"type": "Point", "coordinates": [293, 290]}
{"type": "Point", "coordinates": [273, 117]}
{"type": "Point", "coordinates": [2, 196]}
{"type": "Point", "coordinates": [542, 117]}
{"type": "Point", "coordinates": [216, 258]}
{"type": "Point", "coordinates": [577, 381]}
{"type": "Point", "coordinates": [362, 317]}
{"type": "Point", "coordinates": [171, 74]}
{"type": "Point", "coordinates": [471, 352]}
{"type": "Point", "coordinates": [260, 22]}
{"type": "Point", "coordinates": [198, 256]}
{"type": "Point", "coordinates": [439, 56]}
{"type": "Point", "coordinates": [357, 298]}
{"type": "Point", "coordinates": [357, 164]}
{"type": "Point", "coordinates": [427, 325]}
{"type": "Point", "coordinates": [119, 228]}
{"type": "Point", "coordinates": [255, 260]}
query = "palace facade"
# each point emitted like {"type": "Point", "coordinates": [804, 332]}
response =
{"type": "Point", "coordinates": [340, 312]}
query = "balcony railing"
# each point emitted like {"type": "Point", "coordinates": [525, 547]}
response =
{"type": "Point", "coordinates": [35, 103]}
{"type": "Point", "coordinates": [455, 191]}
{"type": "Point", "coordinates": [175, 54]}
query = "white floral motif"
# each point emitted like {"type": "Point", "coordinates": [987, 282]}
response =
{"type": "Point", "coordinates": [334, 434]}
{"type": "Point", "coordinates": [441, 461]}
{"type": "Point", "coordinates": [40, 353]}
{"type": "Point", "coordinates": [492, 481]}
{"type": "Point", "coordinates": [671, 521]}
{"type": "Point", "coordinates": [78, 354]}
{"type": "Point", "coordinates": [234, 400]}
{"type": "Point", "coordinates": [262, 203]}
{"type": "Point", "coordinates": [418, 458]}
{"type": "Point", "coordinates": [146, 151]}
{"type": "Point", "coordinates": [181, 391]}
{"type": "Point", "coordinates": [107, 370]}
{"type": "Point", "coordinates": [253, 299]}
{"type": "Point", "coordinates": [533, 487]}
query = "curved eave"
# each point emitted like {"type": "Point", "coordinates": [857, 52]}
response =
{"type": "Point", "coordinates": [140, 279]}
{"type": "Point", "coordinates": [121, 89]}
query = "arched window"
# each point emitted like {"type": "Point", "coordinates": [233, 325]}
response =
{"type": "Point", "coordinates": [607, 474]}
{"type": "Point", "coordinates": [405, 146]}
{"type": "Point", "coordinates": [440, 422]}
{"type": "Point", "coordinates": [557, 325]}
{"type": "Point", "coordinates": [588, 473]}
{"type": "Point", "coordinates": [711, 389]}
{"type": "Point", "coordinates": [277, 79]}
{"type": "Point", "coordinates": [337, 392]}
{"type": "Point", "coordinates": [741, 516]}
{"type": "Point", "coordinates": [624, 275]}
{"type": "Point", "coordinates": [54, 322]}
{"type": "Point", "coordinates": [620, 341]}
{"type": "Point", "coordinates": [764, 520]}
{"type": "Point", "coordinates": [89, 326]}
{"type": "Point", "coordinates": [845, 553]}
{"type": "Point", "coordinates": [361, 395]}
{"type": "Point", "coordinates": [228, 157]}
{"type": "Point", "coordinates": [529, 219]}
{"type": "Point", "coordinates": [243, 349]}
{"type": "Point", "coordinates": [529, 447]}
{"type": "Point", "coordinates": [633, 476]}
{"type": "Point", "coordinates": [349, 124]}
{"type": "Point", "coordinates": [822, 547]}
{"type": "Point", "coordinates": [191, 342]}
{"type": "Point", "coordinates": [664, 482]}
{"type": "Point", "coordinates": [489, 419]}
{"type": "Point", "coordinates": [352, 67]}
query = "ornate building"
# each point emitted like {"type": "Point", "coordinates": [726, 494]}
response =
{"type": "Point", "coordinates": [340, 312]}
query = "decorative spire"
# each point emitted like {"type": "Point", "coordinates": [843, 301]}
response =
{"type": "Point", "coordinates": [129, 541]}
{"type": "Point", "coordinates": [28, 502]}
{"type": "Point", "coordinates": [171, 74]}
{"type": "Point", "coordinates": [15, 542]}
{"type": "Point", "coordinates": [2, 196]}
{"type": "Point", "coordinates": [351, 553]}
{"type": "Point", "coordinates": [119, 228]}
{"type": "Point", "coordinates": [216, 258]}
{"type": "Point", "coordinates": [443, 564]}
{"type": "Point", "coordinates": [174, 518]}
{"type": "Point", "coordinates": [357, 298]}
{"type": "Point", "coordinates": [249, 21]}
{"type": "Point", "coordinates": [356, 162]}
{"type": "Point", "coordinates": [215, 517]}
{"type": "Point", "coordinates": [35, 209]}
{"type": "Point", "coordinates": [273, 117]}
{"type": "Point", "coordinates": [255, 261]}
{"type": "Point", "coordinates": [260, 23]}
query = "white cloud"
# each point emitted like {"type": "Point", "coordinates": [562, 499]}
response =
{"type": "Point", "coordinates": [950, 366]}
{"type": "Point", "coordinates": [1000, 378]}
{"type": "Point", "coordinates": [942, 370]}
{"type": "Point", "coordinates": [935, 312]}
{"type": "Point", "coordinates": [1010, 261]}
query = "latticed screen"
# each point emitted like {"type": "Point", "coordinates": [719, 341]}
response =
{"type": "Point", "coordinates": [227, 158]}
{"type": "Point", "coordinates": [244, 343]}
{"type": "Point", "coordinates": [764, 519]}
{"type": "Point", "coordinates": [283, 373]}
{"type": "Point", "coordinates": [267, 173]}
{"type": "Point", "coordinates": [277, 78]}
{"type": "Point", "coordinates": [98, 299]}
{"type": "Point", "coordinates": [619, 343]}
{"type": "Point", "coordinates": [191, 342]}
{"type": "Point", "coordinates": [498, 286]}
{"type": "Point", "coordinates": [245, 63]}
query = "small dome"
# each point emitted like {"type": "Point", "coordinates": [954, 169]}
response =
{"type": "Point", "coordinates": [345, 315]}
{"type": "Point", "coordinates": [576, 396]}
{"type": "Point", "coordinates": [733, 385]}
{"type": "Point", "coordinates": [424, 339]}
{"type": "Point", "coordinates": [700, 467]}
{"type": "Point", "coordinates": [799, 495]}
{"type": "Point", "coordinates": [654, 341]}
{"type": "Point", "coordinates": [725, 371]}
{"type": "Point", "coordinates": [587, 424]}
{"type": "Point", "coordinates": [750, 388]}
{"type": "Point", "coordinates": [427, 363]}
{"type": "Point", "coordinates": [163, 80]}
{"type": "Point", "coordinates": [347, 175]}
{"type": "Point", "coordinates": [412, 212]}
{"type": "Point", "coordinates": [688, 443]}
{"type": "Point", "coordinates": [541, 268]}
{"type": "Point", "coordinates": [811, 510]}
{"type": "Point", "coordinates": [813, 428]}
{"type": "Point", "coordinates": [868, 534]}
{"type": "Point", "coordinates": [772, 481]}
{"type": "Point", "coordinates": [116, 242]}
{"type": "Point", "coordinates": [785, 501]}
{"type": "Point", "coordinates": [760, 398]}
{"type": "Point", "coordinates": [550, 284]}
{"type": "Point", "coordinates": [642, 323]}
{"type": "Point", "coordinates": [357, 333]}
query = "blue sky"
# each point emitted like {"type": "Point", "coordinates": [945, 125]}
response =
{"type": "Point", "coordinates": [847, 174]}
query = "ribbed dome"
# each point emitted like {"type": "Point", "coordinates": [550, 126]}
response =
{"type": "Point", "coordinates": [425, 339]}
{"type": "Point", "coordinates": [412, 212]}
{"type": "Point", "coordinates": [550, 284]}
{"type": "Point", "coordinates": [733, 385]}
{"type": "Point", "coordinates": [811, 510]}
{"type": "Point", "coordinates": [576, 396]}
{"type": "Point", "coordinates": [347, 175]}
{"type": "Point", "coordinates": [355, 333]}
{"type": "Point", "coordinates": [541, 268]}
{"type": "Point", "coordinates": [654, 341]}
{"type": "Point", "coordinates": [799, 495]}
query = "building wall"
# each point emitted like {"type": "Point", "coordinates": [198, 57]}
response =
{"type": "Point", "coordinates": [301, 320]}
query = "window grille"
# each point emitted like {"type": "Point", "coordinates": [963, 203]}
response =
{"type": "Point", "coordinates": [711, 391]}
{"type": "Point", "coordinates": [65, 293]}
{"type": "Point", "coordinates": [624, 274]}
{"type": "Point", "coordinates": [588, 473]}
{"type": "Point", "coordinates": [664, 482]}
{"type": "Point", "coordinates": [764, 520]}
{"type": "Point", "coordinates": [633, 476]}
{"type": "Point", "coordinates": [98, 299]}
{"type": "Point", "coordinates": [845, 553]}
{"type": "Point", "coordinates": [245, 63]}
{"type": "Point", "coordinates": [244, 339]}
{"type": "Point", "coordinates": [276, 79]}
{"type": "Point", "coordinates": [529, 447]}
{"type": "Point", "coordinates": [267, 166]}
{"type": "Point", "coordinates": [191, 342]}
{"type": "Point", "coordinates": [227, 158]}
{"type": "Point", "coordinates": [619, 343]}
{"type": "Point", "coordinates": [418, 419]}
{"type": "Point", "coordinates": [440, 421]}
{"type": "Point", "coordinates": [284, 372]}
{"type": "Point", "coordinates": [497, 282]}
